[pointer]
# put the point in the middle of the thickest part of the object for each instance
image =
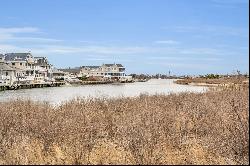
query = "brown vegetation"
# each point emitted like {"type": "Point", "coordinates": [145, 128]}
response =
{"type": "Point", "coordinates": [224, 80]}
{"type": "Point", "coordinates": [208, 128]}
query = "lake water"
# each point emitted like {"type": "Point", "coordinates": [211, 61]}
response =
{"type": "Point", "coordinates": [56, 95]}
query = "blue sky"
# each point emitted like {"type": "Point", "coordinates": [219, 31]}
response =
{"type": "Point", "coordinates": [146, 36]}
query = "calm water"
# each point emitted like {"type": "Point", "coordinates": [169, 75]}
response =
{"type": "Point", "coordinates": [56, 95]}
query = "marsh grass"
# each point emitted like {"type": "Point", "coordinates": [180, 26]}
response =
{"type": "Point", "coordinates": [230, 80]}
{"type": "Point", "coordinates": [187, 128]}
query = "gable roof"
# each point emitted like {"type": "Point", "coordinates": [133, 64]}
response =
{"type": "Point", "coordinates": [41, 61]}
{"type": "Point", "coordinates": [109, 65]}
{"type": "Point", "coordinates": [57, 71]}
{"type": "Point", "coordinates": [91, 67]}
{"type": "Point", "coordinates": [71, 70]}
{"type": "Point", "coordinates": [17, 56]}
{"type": "Point", "coordinates": [119, 65]}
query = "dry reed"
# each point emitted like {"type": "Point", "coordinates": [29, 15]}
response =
{"type": "Point", "coordinates": [187, 128]}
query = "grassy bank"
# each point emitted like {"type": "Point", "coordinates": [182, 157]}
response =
{"type": "Point", "coordinates": [209, 128]}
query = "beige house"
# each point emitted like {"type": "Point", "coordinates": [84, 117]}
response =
{"type": "Point", "coordinates": [44, 69]}
{"type": "Point", "coordinates": [35, 69]}
{"type": "Point", "coordinates": [113, 71]}
{"type": "Point", "coordinates": [58, 75]}
{"type": "Point", "coordinates": [22, 61]}
{"type": "Point", "coordinates": [8, 74]}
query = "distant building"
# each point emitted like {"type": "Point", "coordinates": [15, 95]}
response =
{"type": "Point", "coordinates": [58, 74]}
{"type": "Point", "coordinates": [71, 72]}
{"type": "Point", "coordinates": [113, 71]}
{"type": "Point", "coordinates": [44, 68]}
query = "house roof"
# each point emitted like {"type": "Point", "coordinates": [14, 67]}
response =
{"type": "Point", "coordinates": [17, 56]}
{"type": "Point", "coordinates": [71, 70]}
{"type": "Point", "coordinates": [40, 57]}
{"type": "Point", "coordinates": [92, 67]}
{"type": "Point", "coordinates": [119, 65]}
{"type": "Point", "coordinates": [41, 61]}
{"type": "Point", "coordinates": [57, 71]}
{"type": "Point", "coordinates": [109, 65]}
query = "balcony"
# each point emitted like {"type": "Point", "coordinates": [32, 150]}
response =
{"type": "Point", "coordinates": [121, 69]}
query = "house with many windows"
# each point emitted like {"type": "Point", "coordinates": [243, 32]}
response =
{"type": "Point", "coordinates": [112, 71]}
{"type": "Point", "coordinates": [7, 74]}
{"type": "Point", "coordinates": [45, 71]}
{"type": "Point", "coordinates": [27, 68]}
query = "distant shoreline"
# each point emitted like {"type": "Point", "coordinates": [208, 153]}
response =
{"type": "Point", "coordinates": [219, 82]}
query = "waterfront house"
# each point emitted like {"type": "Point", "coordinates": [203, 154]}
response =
{"type": "Point", "coordinates": [58, 75]}
{"type": "Point", "coordinates": [31, 69]}
{"type": "Point", "coordinates": [7, 74]}
{"type": "Point", "coordinates": [71, 72]}
{"type": "Point", "coordinates": [43, 62]}
{"type": "Point", "coordinates": [89, 71]}
{"type": "Point", "coordinates": [25, 63]}
{"type": "Point", "coordinates": [44, 69]}
{"type": "Point", "coordinates": [113, 71]}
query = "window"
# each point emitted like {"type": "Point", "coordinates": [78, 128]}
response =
{"type": "Point", "coordinates": [13, 64]}
{"type": "Point", "coordinates": [21, 64]}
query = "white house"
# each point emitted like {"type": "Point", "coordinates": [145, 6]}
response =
{"type": "Point", "coordinates": [7, 74]}
{"type": "Point", "coordinates": [31, 69]}
{"type": "Point", "coordinates": [113, 71]}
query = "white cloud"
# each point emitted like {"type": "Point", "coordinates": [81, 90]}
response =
{"type": "Point", "coordinates": [61, 49]}
{"type": "Point", "coordinates": [210, 30]}
{"type": "Point", "coordinates": [166, 42]}
{"type": "Point", "coordinates": [181, 58]}
{"type": "Point", "coordinates": [19, 30]}
{"type": "Point", "coordinates": [9, 48]}
{"type": "Point", "coordinates": [4, 37]}
{"type": "Point", "coordinates": [177, 65]}
{"type": "Point", "coordinates": [105, 51]}
{"type": "Point", "coordinates": [10, 35]}
{"type": "Point", "coordinates": [32, 39]}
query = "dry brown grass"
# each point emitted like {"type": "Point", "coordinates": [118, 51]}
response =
{"type": "Point", "coordinates": [230, 80]}
{"type": "Point", "coordinates": [208, 128]}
